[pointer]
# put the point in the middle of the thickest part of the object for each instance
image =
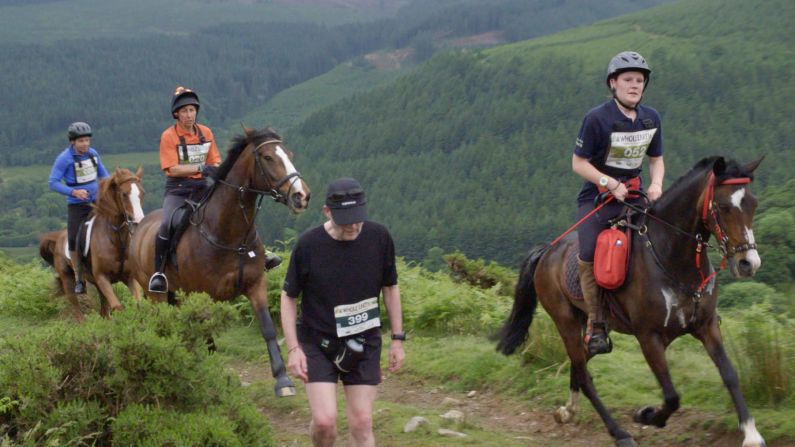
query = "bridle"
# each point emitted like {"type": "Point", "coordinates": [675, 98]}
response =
{"type": "Point", "coordinates": [273, 186]}
{"type": "Point", "coordinates": [709, 211]}
{"type": "Point", "coordinates": [248, 245]}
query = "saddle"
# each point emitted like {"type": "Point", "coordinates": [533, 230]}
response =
{"type": "Point", "coordinates": [179, 221]}
{"type": "Point", "coordinates": [83, 241]}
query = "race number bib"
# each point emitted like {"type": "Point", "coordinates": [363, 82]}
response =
{"type": "Point", "coordinates": [357, 318]}
{"type": "Point", "coordinates": [85, 172]}
{"type": "Point", "coordinates": [627, 149]}
{"type": "Point", "coordinates": [197, 153]}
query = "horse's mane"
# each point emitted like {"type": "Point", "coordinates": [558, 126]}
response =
{"type": "Point", "coordinates": [729, 169]}
{"type": "Point", "coordinates": [106, 204]}
{"type": "Point", "coordinates": [239, 143]}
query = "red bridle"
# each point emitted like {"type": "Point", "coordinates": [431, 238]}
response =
{"type": "Point", "coordinates": [709, 210]}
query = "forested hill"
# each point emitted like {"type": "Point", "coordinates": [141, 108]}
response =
{"type": "Point", "coordinates": [129, 57]}
{"type": "Point", "coordinates": [473, 151]}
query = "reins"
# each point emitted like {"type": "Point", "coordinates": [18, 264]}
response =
{"type": "Point", "coordinates": [245, 248]}
{"type": "Point", "coordinates": [708, 211]}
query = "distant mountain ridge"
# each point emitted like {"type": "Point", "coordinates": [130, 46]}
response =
{"type": "Point", "coordinates": [473, 151]}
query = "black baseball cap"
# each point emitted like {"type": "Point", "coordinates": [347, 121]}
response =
{"type": "Point", "coordinates": [347, 202]}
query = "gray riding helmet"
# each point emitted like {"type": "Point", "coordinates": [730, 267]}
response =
{"type": "Point", "coordinates": [627, 61]}
{"type": "Point", "coordinates": [78, 129]}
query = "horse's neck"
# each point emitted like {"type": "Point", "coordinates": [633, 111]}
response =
{"type": "Point", "coordinates": [679, 208]}
{"type": "Point", "coordinates": [229, 215]}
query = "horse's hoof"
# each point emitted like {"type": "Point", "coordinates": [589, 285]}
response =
{"type": "Point", "coordinates": [562, 415]}
{"type": "Point", "coordinates": [644, 415]}
{"type": "Point", "coordinates": [286, 391]}
{"type": "Point", "coordinates": [626, 442]}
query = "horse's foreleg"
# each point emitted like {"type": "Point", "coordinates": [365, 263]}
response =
{"type": "Point", "coordinates": [570, 330]}
{"type": "Point", "coordinates": [709, 334]}
{"type": "Point", "coordinates": [259, 301]}
{"type": "Point", "coordinates": [135, 289]}
{"type": "Point", "coordinates": [654, 351]}
{"type": "Point", "coordinates": [566, 413]}
{"type": "Point", "coordinates": [107, 295]}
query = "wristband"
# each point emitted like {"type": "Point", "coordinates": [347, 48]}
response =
{"type": "Point", "coordinates": [401, 336]}
{"type": "Point", "coordinates": [289, 351]}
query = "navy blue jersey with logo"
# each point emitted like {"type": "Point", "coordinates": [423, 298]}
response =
{"type": "Point", "coordinates": [615, 144]}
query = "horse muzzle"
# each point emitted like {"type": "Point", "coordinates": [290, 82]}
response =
{"type": "Point", "coordinates": [298, 202]}
{"type": "Point", "coordinates": [745, 264]}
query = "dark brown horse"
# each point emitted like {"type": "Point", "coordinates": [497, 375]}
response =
{"type": "Point", "coordinates": [670, 290]}
{"type": "Point", "coordinates": [221, 253]}
{"type": "Point", "coordinates": [118, 209]}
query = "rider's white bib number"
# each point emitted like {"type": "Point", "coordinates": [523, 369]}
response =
{"type": "Point", "coordinates": [197, 153]}
{"type": "Point", "coordinates": [357, 318]}
{"type": "Point", "coordinates": [85, 172]}
{"type": "Point", "coordinates": [627, 149]}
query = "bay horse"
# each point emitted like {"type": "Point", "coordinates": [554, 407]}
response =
{"type": "Point", "coordinates": [220, 252]}
{"type": "Point", "coordinates": [118, 209]}
{"type": "Point", "coordinates": [670, 289]}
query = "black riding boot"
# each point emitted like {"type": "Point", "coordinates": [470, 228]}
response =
{"type": "Point", "coordinates": [80, 285]}
{"type": "Point", "coordinates": [158, 282]}
{"type": "Point", "coordinates": [272, 260]}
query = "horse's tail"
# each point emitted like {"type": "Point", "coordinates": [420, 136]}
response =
{"type": "Point", "coordinates": [515, 330]}
{"type": "Point", "coordinates": [47, 246]}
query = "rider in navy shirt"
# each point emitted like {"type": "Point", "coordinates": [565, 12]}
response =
{"type": "Point", "coordinates": [613, 140]}
{"type": "Point", "coordinates": [75, 174]}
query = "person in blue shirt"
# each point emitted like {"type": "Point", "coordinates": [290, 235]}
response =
{"type": "Point", "coordinates": [75, 174]}
{"type": "Point", "coordinates": [614, 139]}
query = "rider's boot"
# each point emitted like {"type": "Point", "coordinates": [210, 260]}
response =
{"type": "Point", "coordinates": [272, 260]}
{"type": "Point", "coordinates": [158, 282]}
{"type": "Point", "coordinates": [596, 337]}
{"type": "Point", "coordinates": [80, 285]}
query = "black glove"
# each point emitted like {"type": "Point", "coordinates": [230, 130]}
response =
{"type": "Point", "coordinates": [209, 171]}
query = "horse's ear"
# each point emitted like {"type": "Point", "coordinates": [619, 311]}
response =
{"type": "Point", "coordinates": [719, 167]}
{"type": "Point", "coordinates": [751, 167]}
{"type": "Point", "coordinates": [246, 130]}
{"type": "Point", "coordinates": [140, 172]}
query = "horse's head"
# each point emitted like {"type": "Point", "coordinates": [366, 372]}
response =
{"type": "Point", "coordinates": [122, 195]}
{"type": "Point", "coordinates": [274, 170]}
{"type": "Point", "coordinates": [728, 213]}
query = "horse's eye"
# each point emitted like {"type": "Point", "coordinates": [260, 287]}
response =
{"type": "Point", "coordinates": [724, 208]}
{"type": "Point", "coordinates": [268, 158]}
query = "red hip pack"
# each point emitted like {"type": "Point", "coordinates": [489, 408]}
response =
{"type": "Point", "coordinates": [610, 258]}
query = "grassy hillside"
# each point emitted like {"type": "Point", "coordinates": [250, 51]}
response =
{"type": "Point", "coordinates": [52, 21]}
{"type": "Point", "coordinates": [472, 151]}
{"type": "Point", "coordinates": [448, 323]}
{"type": "Point", "coordinates": [293, 105]}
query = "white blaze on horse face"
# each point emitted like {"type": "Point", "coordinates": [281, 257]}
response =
{"type": "Point", "coordinates": [752, 436]}
{"type": "Point", "coordinates": [737, 198]}
{"type": "Point", "coordinates": [288, 166]}
{"type": "Point", "coordinates": [135, 201]}
{"type": "Point", "coordinates": [752, 256]}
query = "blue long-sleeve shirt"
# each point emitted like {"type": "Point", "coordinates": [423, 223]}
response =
{"type": "Point", "coordinates": [63, 174]}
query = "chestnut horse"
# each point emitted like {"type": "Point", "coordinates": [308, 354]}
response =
{"type": "Point", "coordinates": [670, 289]}
{"type": "Point", "coordinates": [220, 252]}
{"type": "Point", "coordinates": [118, 209]}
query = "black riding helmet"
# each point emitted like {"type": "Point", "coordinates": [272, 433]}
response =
{"type": "Point", "coordinates": [627, 61]}
{"type": "Point", "coordinates": [183, 97]}
{"type": "Point", "coordinates": [78, 129]}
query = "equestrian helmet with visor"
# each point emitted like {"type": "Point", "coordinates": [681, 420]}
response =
{"type": "Point", "coordinates": [627, 61]}
{"type": "Point", "coordinates": [183, 97]}
{"type": "Point", "coordinates": [78, 129]}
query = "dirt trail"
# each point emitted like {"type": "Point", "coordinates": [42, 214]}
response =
{"type": "Point", "coordinates": [520, 422]}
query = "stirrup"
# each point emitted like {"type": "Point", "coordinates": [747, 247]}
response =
{"type": "Point", "coordinates": [158, 283]}
{"type": "Point", "coordinates": [597, 340]}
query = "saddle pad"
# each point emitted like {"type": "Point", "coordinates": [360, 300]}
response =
{"type": "Point", "coordinates": [572, 279]}
{"type": "Point", "coordinates": [83, 238]}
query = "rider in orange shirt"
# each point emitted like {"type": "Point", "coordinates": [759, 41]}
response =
{"type": "Point", "coordinates": [188, 154]}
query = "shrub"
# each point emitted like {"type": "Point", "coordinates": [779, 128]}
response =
{"type": "Point", "coordinates": [24, 291]}
{"type": "Point", "coordinates": [89, 383]}
{"type": "Point", "coordinates": [480, 274]}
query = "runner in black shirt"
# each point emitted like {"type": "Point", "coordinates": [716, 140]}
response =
{"type": "Point", "coordinates": [339, 269]}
